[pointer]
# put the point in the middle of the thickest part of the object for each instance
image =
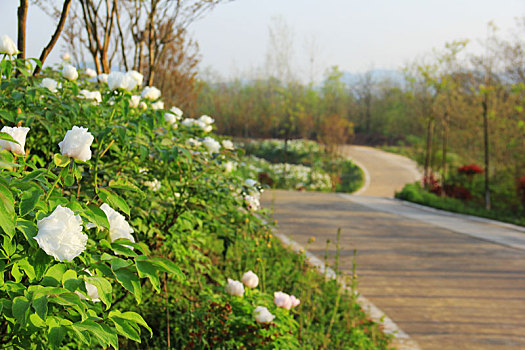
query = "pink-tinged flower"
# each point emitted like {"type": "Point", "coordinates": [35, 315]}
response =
{"type": "Point", "coordinates": [282, 300]}
{"type": "Point", "coordinates": [250, 279]}
{"type": "Point", "coordinates": [295, 301]}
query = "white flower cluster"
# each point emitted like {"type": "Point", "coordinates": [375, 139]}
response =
{"type": "Point", "coordinates": [94, 96]}
{"type": "Point", "coordinates": [261, 313]}
{"type": "Point", "coordinates": [204, 123]}
{"type": "Point", "coordinates": [119, 80]}
{"type": "Point", "coordinates": [50, 84]}
{"type": "Point", "coordinates": [18, 134]}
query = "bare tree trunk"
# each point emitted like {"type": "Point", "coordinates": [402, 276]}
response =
{"type": "Point", "coordinates": [444, 151]}
{"type": "Point", "coordinates": [56, 35]}
{"type": "Point", "coordinates": [122, 43]}
{"type": "Point", "coordinates": [22, 16]}
{"type": "Point", "coordinates": [485, 103]}
{"type": "Point", "coordinates": [430, 134]}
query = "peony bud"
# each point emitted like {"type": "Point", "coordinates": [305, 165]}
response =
{"type": "Point", "coordinates": [19, 134]}
{"type": "Point", "coordinates": [50, 84]}
{"type": "Point", "coordinates": [250, 279]}
{"type": "Point", "coordinates": [60, 234]}
{"type": "Point", "coordinates": [282, 300]}
{"type": "Point", "coordinates": [262, 315]}
{"type": "Point", "coordinates": [91, 72]}
{"type": "Point", "coordinates": [134, 101]}
{"type": "Point", "coordinates": [7, 45]}
{"type": "Point", "coordinates": [234, 288]}
{"type": "Point", "coordinates": [76, 144]}
{"type": "Point", "coordinates": [69, 72]}
{"type": "Point", "coordinates": [151, 93]}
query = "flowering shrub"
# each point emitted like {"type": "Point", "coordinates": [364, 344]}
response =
{"type": "Point", "coordinates": [118, 222]}
{"type": "Point", "coordinates": [470, 169]}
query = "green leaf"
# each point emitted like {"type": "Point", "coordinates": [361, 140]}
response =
{"type": "Point", "coordinates": [53, 276]}
{"type": "Point", "coordinates": [69, 299]}
{"type": "Point", "coordinates": [120, 248]}
{"type": "Point", "coordinates": [28, 268]}
{"type": "Point", "coordinates": [7, 211]}
{"type": "Point", "coordinates": [56, 334]}
{"type": "Point", "coordinates": [130, 281]}
{"type": "Point", "coordinates": [6, 137]}
{"type": "Point", "coordinates": [30, 199]}
{"type": "Point", "coordinates": [131, 316]}
{"type": "Point", "coordinates": [61, 160]}
{"type": "Point", "coordinates": [104, 288]}
{"type": "Point", "coordinates": [124, 328]}
{"type": "Point", "coordinates": [21, 309]}
{"type": "Point", "coordinates": [40, 306]}
{"type": "Point", "coordinates": [102, 334]}
{"type": "Point", "coordinates": [167, 266]}
{"type": "Point", "coordinates": [124, 185]}
{"type": "Point", "coordinates": [114, 200]}
{"type": "Point", "coordinates": [28, 229]}
{"type": "Point", "coordinates": [149, 270]}
{"type": "Point", "coordinates": [97, 216]}
{"type": "Point", "coordinates": [70, 280]}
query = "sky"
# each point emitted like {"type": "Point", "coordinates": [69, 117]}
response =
{"type": "Point", "coordinates": [355, 35]}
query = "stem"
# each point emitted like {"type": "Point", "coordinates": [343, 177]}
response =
{"type": "Point", "coordinates": [53, 187]}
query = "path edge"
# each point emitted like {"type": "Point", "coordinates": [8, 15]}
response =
{"type": "Point", "coordinates": [401, 339]}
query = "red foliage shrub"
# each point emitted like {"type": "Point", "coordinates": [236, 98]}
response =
{"type": "Point", "coordinates": [431, 184]}
{"type": "Point", "coordinates": [470, 169]}
{"type": "Point", "coordinates": [521, 188]}
{"type": "Point", "coordinates": [458, 192]}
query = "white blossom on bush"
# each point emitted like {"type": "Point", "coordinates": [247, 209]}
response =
{"type": "Point", "coordinates": [103, 78]}
{"type": "Point", "coordinates": [252, 202]}
{"type": "Point", "coordinates": [170, 118]}
{"type": "Point", "coordinates": [193, 142]}
{"type": "Point", "coordinates": [228, 166]}
{"type": "Point", "coordinates": [118, 226]}
{"type": "Point", "coordinates": [206, 119]}
{"type": "Point", "coordinates": [250, 183]}
{"type": "Point", "coordinates": [95, 96]}
{"type": "Point", "coordinates": [60, 234]}
{"type": "Point", "coordinates": [133, 74]}
{"type": "Point", "coordinates": [18, 133]}
{"type": "Point", "coordinates": [227, 144]}
{"type": "Point", "coordinates": [282, 300]}
{"type": "Point", "coordinates": [76, 144]}
{"type": "Point", "coordinates": [263, 315]}
{"type": "Point", "coordinates": [153, 185]}
{"type": "Point", "coordinates": [204, 126]}
{"type": "Point", "coordinates": [188, 122]}
{"type": "Point", "coordinates": [50, 84]}
{"type": "Point", "coordinates": [177, 112]}
{"type": "Point", "coordinates": [234, 288]}
{"type": "Point", "coordinates": [66, 56]}
{"type": "Point", "coordinates": [211, 144]}
{"type": "Point", "coordinates": [157, 105]}
{"type": "Point", "coordinates": [69, 72]}
{"type": "Point", "coordinates": [7, 45]}
{"type": "Point", "coordinates": [295, 301]}
{"type": "Point", "coordinates": [119, 80]}
{"type": "Point", "coordinates": [250, 279]}
{"type": "Point", "coordinates": [151, 93]}
{"type": "Point", "coordinates": [92, 292]}
{"type": "Point", "coordinates": [134, 101]}
{"type": "Point", "coordinates": [91, 72]}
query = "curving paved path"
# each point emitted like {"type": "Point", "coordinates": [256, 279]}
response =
{"type": "Point", "coordinates": [449, 281]}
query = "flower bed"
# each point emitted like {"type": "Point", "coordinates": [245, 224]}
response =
{"type": "Point", "coordinates": [121, 222]}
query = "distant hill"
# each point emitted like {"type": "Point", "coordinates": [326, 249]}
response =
{"type": "Point", "coordinates": [395, 76]}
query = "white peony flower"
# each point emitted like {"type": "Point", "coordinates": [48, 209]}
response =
{"type": "Point", "coordinates": [134, 101]}
{"type": "Point", "coordinates": [133, 74]}
{"type": "Point", "coordinates": [193, 142]}
{"type": "Point", "coordinates": [234, 288]}
{"type": "Point", "coordinates": [119, 80]}
{"type": "Point", "coordinates": [151, 93]}
{"type": "Point", "coordinates": [204, 127]}
{"type": "Point", "coordinates": [282, 300]}
{"type": "Point", "coordinates": [250, 183]}
{"type": "Point", "coordinates": [50, 84]}
{"type": "Point", "coordinates": [69, 72]}
{"type": "Point", "coordinates": [211, 145]}
{"type": "Point", "coordinates": [177, 112]}
{"type": "Point", "coordinates": [60, 234]}
{"type": "Point", "coordinates": [103, 78]}
{"type": "Point", "coordinates": [295, 301]}
{"type": "Point", "coordinates": [157, 105]}
{"type": "Point", "coordinates": [228, 166]}
{"type": "Point", "coordinates": [76, 144]}
{"type": "Point", "coordinates": [91, 95]}
{"type": "Point", "coordinates": [153, 185]}
{"type": "Point", "coordinates": [206, 119]}
{"type": "Point", "coordinates": [7, 45]}
{"type": "Point", "coordinates": [189, 122]}
{"type": "Point", "coordinates": [91, 72]}
{"type": "Point", "coordinates": [18, 133]}
{"type": "Point", "coordinates": [227, 144]}
{"type": "Point", "coordinates": [262, 315]}
{"type": "Point", "coordinates": [250, 279]}
{"type": "Point", "coordinates": [170, 118]}
{"type": "Point", "coordinates": [118, 226]}
{"type": "Point", "coordinates": [66, 56]}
